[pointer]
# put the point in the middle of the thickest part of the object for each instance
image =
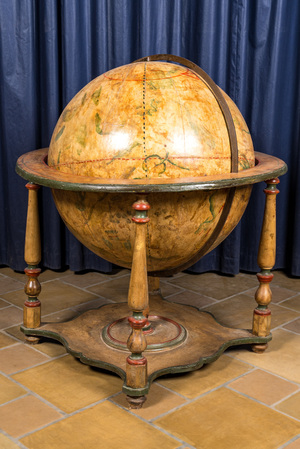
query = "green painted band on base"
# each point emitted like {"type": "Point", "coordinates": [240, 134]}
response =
{"type": "Point", "coordinates": [252, 339]}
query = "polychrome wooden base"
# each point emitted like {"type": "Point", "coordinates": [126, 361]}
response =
{"type": "Point", "coordinates": [98, 338]}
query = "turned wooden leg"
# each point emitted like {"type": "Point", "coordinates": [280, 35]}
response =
{"type": "Point", "coordinates": [136, 364]}
{"type": "Point", "coordinates": [266, 261]}
{"type": "Point", "coordinates": [32, 306]}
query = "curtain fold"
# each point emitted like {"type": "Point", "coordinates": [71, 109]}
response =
{"type": "Point", "coordinates": [50, 49]}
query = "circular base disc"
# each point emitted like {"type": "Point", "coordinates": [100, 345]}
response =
{"type": "Point", "coordinates": [165, 333]}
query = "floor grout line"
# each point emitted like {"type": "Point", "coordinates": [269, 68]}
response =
{"type": "Point", "coordinates": [289, 442]}
{"type": "Point", "coordinates": [14, 440]}
{"type": "Point", "coordinates": [285, 398]}
{"type": "Point", "coordinates": [152, 424]}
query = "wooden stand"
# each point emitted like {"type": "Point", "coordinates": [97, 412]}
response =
{"type": "Point", "coordinates": [176, 338]}
{"type": "Point", "coordinates": [137, 342]}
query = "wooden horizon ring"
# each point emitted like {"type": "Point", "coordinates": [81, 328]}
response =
{"type": "Point", "coordinates": [33, 167]}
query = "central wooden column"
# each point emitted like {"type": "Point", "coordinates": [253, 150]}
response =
{"type": "Point", "coordinates": [138, 299]}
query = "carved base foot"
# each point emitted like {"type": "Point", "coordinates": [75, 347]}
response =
{"type": "Point", "coordinates": [32, 340]}
{"type": "Point", "coordinates": [259, 349]}
{"type": "Point", "coordinates": [136, 402]}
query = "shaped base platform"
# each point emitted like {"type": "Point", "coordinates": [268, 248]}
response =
{"type": "Point", "coordinates": [198, 339]}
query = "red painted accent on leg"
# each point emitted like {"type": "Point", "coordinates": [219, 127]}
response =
{"type": "Point", "coordinates": [273, 181]}
{"type": "Point", "coordinates": [140, 220]}
{"type": "Point", "coordinates": [32, 272]}
{"type": "Point", "coordinates": [262, 312]}
{"type": "Point", "coordinates": [265, 277]}
{"type": "Point", "coordinates": [137, 324]}
{"type": "Point", "coordinates": [137, 362]}
{"type": "Point", "coordinates": [141, 205]}
{"type": "Point", "coordinates": [271, 192]}
{"type": "Point", "coordinates": [36, 303]}
{"type": "Point", "coordinates": [31, 186]}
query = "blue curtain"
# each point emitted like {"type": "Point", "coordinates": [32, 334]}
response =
{"type": "Point", "coordinates": [50, 49]}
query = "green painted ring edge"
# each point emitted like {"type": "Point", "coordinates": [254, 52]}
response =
{"type": "Point", "coordinates": [90, 362]}
{"type": "Point", "coordinates": [148, 188]}
{"type": "Point", "coordinates": [150, 347]}
{"type": "Point", "coordinates": [194, 366]}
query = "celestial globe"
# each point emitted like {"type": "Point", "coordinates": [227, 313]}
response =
{"type": "Point", "coordinates": [159, 124]}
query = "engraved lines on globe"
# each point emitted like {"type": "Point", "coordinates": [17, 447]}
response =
{"type": "Point", "coordinates": [142, 127]}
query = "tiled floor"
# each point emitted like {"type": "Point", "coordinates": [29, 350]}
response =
{"type": "Point", "coordinates": [49, 400]}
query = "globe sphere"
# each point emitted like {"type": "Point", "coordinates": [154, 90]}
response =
{"type": "Point", "coordinates": [155, 122]}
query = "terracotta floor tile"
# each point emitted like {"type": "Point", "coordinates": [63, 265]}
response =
{"type": "Point", "coordinates": [16, 332]}
{"type": "Point", "coordinates": [282, 356]}
{"type": "Point", "coordinates": [191, 299]}
{"type": "Point", "coordinates": [115, 290]}
{"type": "Point", "coordinates": [37, 415]}
{"type": "Point", "coordinates": [5, 340]}
{"type": "Point", "coordinates": [6, 443]}
{"type": "Point", "coordinates": [263, 386]}
{"type": "Point", "coordinates": [8, 284]}
{"type": "Point", "coordinates": [291, 406]}
{"type": "Point", "coordinates": [19, 357]}
{"type": "Point", "coordinates": [280, 278]}
{"type": "Point", "coordinates": [159, 401]}
{"type": "Point", "coordinates": [4, 304]}
{"type": "Point", "coordinates": [9, 390]}
{"type": "Point", "coordinates": [294, 326]}
{"type": "Point", "coordinates": [238, 312]}
{"type": "Point", "coordinates": [118, 272]}
{"type": "Point", "coordinates": [293, 303]}
{"type": "Point", "coordinates": [55, 296]}
{"type": "Point", "coordinates": [294, 445]}
{"type": "Point", "coordinates": [10, 316]}
{"type": "Point", "coordinates": [69, 384]}
{"type": "Point", "coordinates": [49, 275]}
{"type": "Point", "coordinates": [209, 376]}
{"type": "Point", "coordinates": [225, 419]}
{"type": "Point", "coordinates": [86, 279]}
{"type": "Point", "coordinates": [280, 293]}
{"type": "Point", "coordinates": [51, 348]}
{"type": "Point", "coordinates": [214, 285]}
{"type": "Point", "coordinates": [19, 276]}
{"type": "Point", "coordinates": [168, 289]}
{"type": "Point", "coordinates": [102, 426]}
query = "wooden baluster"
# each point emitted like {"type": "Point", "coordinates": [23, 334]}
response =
{"type": "Point", "coordinates": [136, 364]}
{"type": "Point", "coordinates": [32, 255]}
{"type": "Point", "coordinates": [266, 261]}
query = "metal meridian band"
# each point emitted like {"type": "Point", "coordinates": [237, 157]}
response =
{"type": "Point", "coordinates": [217, 94]}
{"type": "Point", "coordinates": [233, 148]}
